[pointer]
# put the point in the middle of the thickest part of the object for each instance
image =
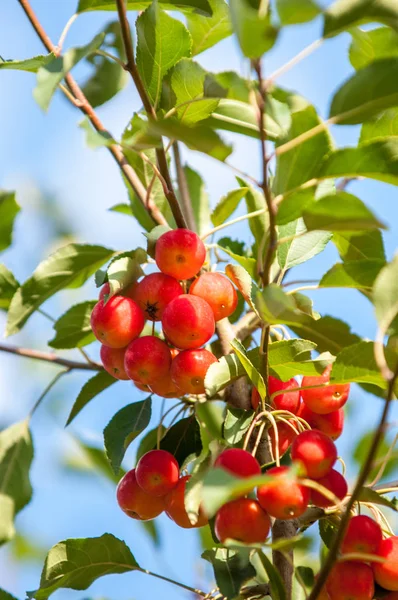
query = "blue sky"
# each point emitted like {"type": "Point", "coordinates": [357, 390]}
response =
{"type": "Point", "coordinates": [47, 153]}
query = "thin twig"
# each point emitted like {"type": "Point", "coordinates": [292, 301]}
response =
{"type": "Point", "coordinates": [294, 61]}
{"type": "Point", "coordinates": [184, 189]}
{"type": "Point", "coordinates": [51, 358]}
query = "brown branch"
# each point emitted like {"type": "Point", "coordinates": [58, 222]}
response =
{"type": "Point", "coordinates": [247, 325]}
{"type": "Point", "coordinates": [131, 67]}
{"type": "Point", "coordinates": [51, 358]}
{"type": "Point", "coordinates": [183, 188]}
{"type": "Point", "coordinates": [366, 468]}
{"type": "Point", "coordinates": [83, 104]}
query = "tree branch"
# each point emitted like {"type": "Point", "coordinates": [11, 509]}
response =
{"type": "Point", "coordinates": [51, 358]}
{"type": "Point", "coordinates": [83, 104]}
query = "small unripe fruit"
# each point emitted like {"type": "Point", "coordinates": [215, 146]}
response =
{"type": "Point", "coordinates": [350, 580]}
{"type": "Point", "coordinates": [135, 502]}
{"type": "Point", "coordinates": [175, 506]}
{"type": "Point", "coordinates": [316, 451]}
{"type": "Point", "coordinates": [335, 483]}
{"type": "Point", "coordinates": [363, 534]}
{"type": "Point", "coordinates": [154, 292]}
{"type": "Point", "coordinates": [243, 520]}
{"type": "Point", "coordinates": [327, 399]}
{"type": "Point", "coordinates": [180, 253]}
{"type": "Point", "coordinates": [386, 574]}
{"type": "Point", "coordinates": [188, 322]}
{"type": "Point", "coordinates": [189, 368]}
{"type": "Point", "coordinates": [288, 400]}
{"type": "Point", "coordinates": [238, 462]}
{"type": "Point", "coordinates": [147, 359]}
{"type": "Point", "coordinates": [331, 424]}
{"type": "Point", "coordinates": [157, 472]}
{"type": "Point", "coordinates": [113, 361]}
{"type": "Point", "coordinates": [218, 291]}
{"type": "Point", "coordinates": [286, 436]}
{"type": "Point", "coordinates": [118, 322]}
{"type": "Point", "coordinates": [284, 498]}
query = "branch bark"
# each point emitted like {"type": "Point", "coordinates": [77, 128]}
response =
{"type": "Point", "coordinates": [51, 358]}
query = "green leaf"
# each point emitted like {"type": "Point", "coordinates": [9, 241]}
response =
{"type": "Point", "coordinates": [385, 295]}
{"type": "Point", "coordinates": [69, 266]}
{"type": "Point", "coordinates": [161, 42]}
{"type": "Point", "coordinates": [201, 6]}
{"type": "Point", "coordinates": [123, 428]}
{"type": "Point", "coordinates": [301, 163]}
{"type": "Point", "coordinates": [153, 236]}
{"type": "Point", "coordinates": [232, 569]}
{"type": "Point", "coordinates": [227, 205]}
{"type": "Point", "coordinates": [330, 334]}
{"type": "Point", "coordinates": [208, 31]}
{"type": "Point", "coordinates": [376, 159]}
{"type": "Point", "coordinates": [248, 263]}
{"type": "Point", "coordinates": [340, 212]}
{"type": "Point", "coordinates": [241, 278]}
{"type": "Point", "coordinates": [359, 274]}
{"type": "Point", "coordinates": [255, 201]}
{"type": "Point", "coordinates": [148, 442]}
{"type": "Point", "coordinates": [187, 82]}
{"type": "Point", "coordinates": [343, 15]}
{"type": "Point", "coordinates": [299, 249]}
{"type": "Point", "coordinates": [124, 209]}
{"type": "Point", "coordinates": [73, 329]}
{"type": "Point", "coordinates": [125, 269]}
{"type": "Point", "coordinates": [237, 422]}
{"type": "Point", "coordinates": [275, 581]}
{"type": "Point", "coordinates": [6, 596]}
{"type": "Point", "coordinates": [8, 286]}
{"type": "Point", "coordinates": [8, 211]}
{"type": "Point", "coordinates": [368, 46]}
{"type": "Point", "coordinates": [183, 440]}
{"type": "Point", "coordinates": [77, 563]}
{"type": "Point", "coordinates": [108, 77]}
{"type": "Point", "coordinates": [293, 205]}
{"type": "Point", "coordinates": [369, 495]}
{"type": "Point", "coordinates": [255, 32]}
{"type": "Point", "coordinates": [31, 65]}
{"type": "Point", "coordinates": [383, 125]}
{"type": "Point", "coordinates": [357, 364]}
{"type": "Point", "coordinates": [327, 531]}
{"type": "Point", "coordinates": [16, 455]}
{"type": "Point", "coordinates": [254, 375]}
{"type": "Point", "coordinates": [94, 386]}
{"type": "Point", "coordinates": [197, 137]}
{"type": "Point", "coordinates": [354, 246]}
{"type": "Point", "coordinates": [369, 91]}
{"type": "Point", "coordinates": [362, 448]}
{"type": "Point", "coordinates": [228, 84]}
{"type": "Point", "coordinates": [51, 74]}
{"type": "Point", "coordinates": [292, 12]}
{"type": "Point", "coordinates": [90, 459]}
{"type": "Point", "coordinates": [199, 200]}
{"type": "Point", "coordinates": [95, 139]}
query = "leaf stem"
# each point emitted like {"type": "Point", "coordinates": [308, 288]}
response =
{"type": "Point", "coordinates": [251, 215]}
{"type": "Point", "coordinates": [294, 61]}
{"type": "Point", "coordinates": [177, 583]}
{"type": "Point", "coordinates": [51, 358]}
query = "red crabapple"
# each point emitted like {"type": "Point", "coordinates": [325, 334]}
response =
{"type": "Point", "coordinates": [154, 292]}
{"type": "Point", "coordinates": [286, 436]}
{"type": "Point", "coordinates": [175, 506]}
{"type": "Point", "coordinates": [255, 398]}
{"type": "Point", "coordinates": [189, 368]}
{"type": "Point", "coordinates": [135, 502]}
{"type": "Point", "coordinates": [363, 534]}
{"type": "Point", "coordinates": [165, 387]}
{"type": "Point", "coordinates": [142, 387]}
{"type": "Point", "coordinates": [118, 322]}
{"type": "Point", "coordinates": [243, 520]}
{"type": "Point", "coordinates": [113, 361]}
{"type": "Point", "coordinates": [288, 400]}
{"type": "Point", "coordinates": [218, 291]}
{"type": "Point", "coordinates": [331, 424]}
{"type": "Point", "coordinates": [350, 580]}
{"type": "Point", "coordinates": [128, 291]}
{"type": "Point", "coordinates": [316, 451]}
{"type": "Point", "coordinates": [284, 498]}
{"type": "Point", "coordinates": [386, 573]}
{"type": "Point", "coordinates": [238, 462]}
{"type": "Point", "coordinates": [335, 483]}
{"type": "Point", "coordinates": [147, 359]}
{"type": "Point", "coordinates": [180, 253]}
{"type": "Point", "coordinates": [157, 472]}
{"type": "Point", "coordinates": [327, 399]}
{"type": "Point", "coordinates": [188, 322]}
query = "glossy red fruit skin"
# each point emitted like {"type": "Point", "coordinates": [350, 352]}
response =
{"type": "Point", "coordinates": [154, 292]}
{"type": "Point", "coordinates": [386, 574]}
{"type": "Point", "coordinates": [350, 580]}
{"type": "Point", "coordinates": [335, 483]}
{"type": "Point", "coordinates": [135, 502]}
{"type": "Point", "coordinates": [323, 595]}
{"type": "Point", "coordinates": [218, 291]}
{"type": "Point", "coordinates": [157, 472]}
{"type": "Point", "coordinates": [286, 437]}
{"type": "Point", "coordinates": [142, 387]}
{"type": "Point", "coordinates": [189, 368]}
{"type": "Point", "coordinates": [118, 322]}
{"type": "Point", "coordinates": [238, 462]}
{"type": "Point", "coordinates": [283, 498]}
{"type": "Point", "coordinates": [113, 361]}
{"type": "Point", "coordinates": [243, 520]}
{"type": "Point", "coordinates": [363, 534]}
{"type": "Point", "coordinates": [288, 400]}
{"type": "Point", "coordinates": [331, 424]}
{"type": "Point", "coordinates": [175, 507]}
{"type": "Point", "coordinates": [166, 388]}
{"type": "Point", "coordinates": [180, 253]}
{"type": "Point", "coordinates": [188, 322]}
{"type": "Point", "coordinates": [324, 400]}
{"type": "Point", "coordinates": [147, 359]}
{"type": "Point", "coordinates": [128, 292]}
{"type": "Point", "coordinates": [316, 451]}
{"type": "Point", "coordinates": [255, 398]}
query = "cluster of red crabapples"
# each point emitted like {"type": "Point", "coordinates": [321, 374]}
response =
{"type": "Point", "coordinates": [177, 364]}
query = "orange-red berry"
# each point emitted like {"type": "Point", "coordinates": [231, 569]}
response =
{"type": "Point", "coordinates": [113, 361]}
{"type": "Point", "coordinates": [386, 573]}
{"type": "Point", "coordinates": [316, 451]}
{"type": "Point", "coordinates": [118, 322]}
{"type": "Point", "coordinates": [157, 472]}
{"type": "Point", "coordinates": [218, 291]}
{"type": "Point", "coordinates": [335, 483]}
{"type": "Point", "coordinates": [238, 462]}
{"type": "Point", "coordinates": [180, 253]}
{"type": "Point", "coordinates": [175, 506]}
{"type": "Point", "coordinates": [284, 497]}
{"type": "Point", "coordinates": [243, 520]}
{"type": "Point", "coordinates": [147, 359]}
{"type": "Point", "coordinates": [189, 368]}
{"type": "Point", "coordinates": [154, 292]}
{"type": "Point", "coordinates": [136, 503]}
{"type": "Point", "coordinates": [324, 400]}
{"type": "Point", "coordinates": [188, 322]}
